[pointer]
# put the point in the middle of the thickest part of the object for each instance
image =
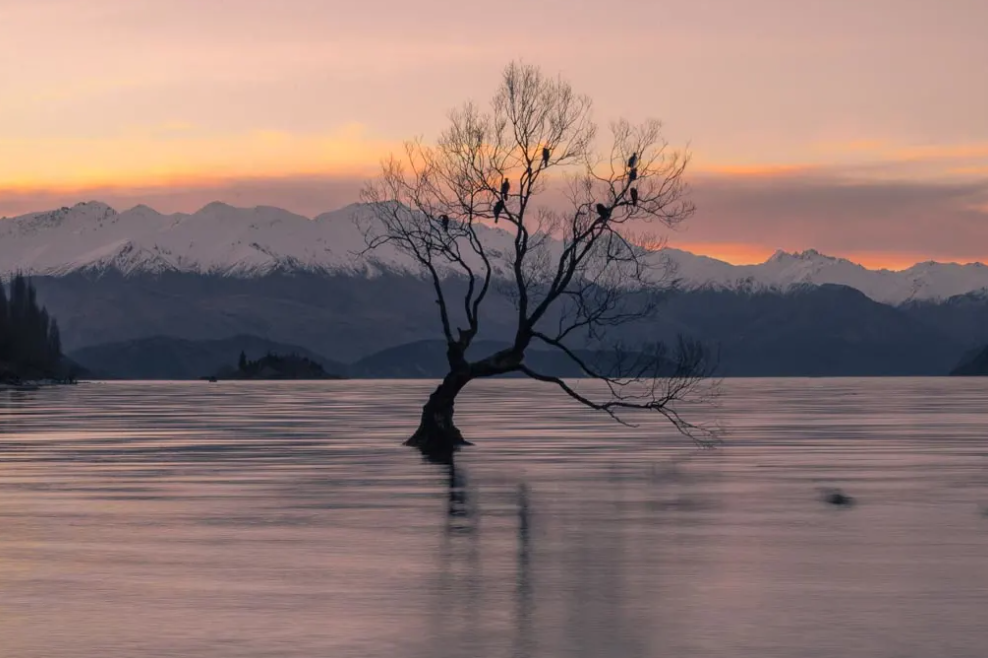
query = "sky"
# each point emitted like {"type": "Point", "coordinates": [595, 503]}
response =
{"type": "Point", "coordinates": [855, 127]}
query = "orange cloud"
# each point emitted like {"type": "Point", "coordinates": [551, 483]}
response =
{"type": "Point", "coordinates": [753, 254]}
{"type": "Point", "coordinates": [878, 260]}
{"type": "Point", "coordinates": [854, 146]}
{"type": "Point", "coordinates": [175, 153]}
{"type": "Point", "coordinates": [877, 150]}
{"type": "Point", "coordinates": [865, 160]}
{"type": "Point", "coordinates": [736, 253]}
{"type": "Point", "coordinates": [970, 171]}
{"type": "Point", "coordinates": [754, 170]}
{"type": "Point", "coordinates": [941, 152]}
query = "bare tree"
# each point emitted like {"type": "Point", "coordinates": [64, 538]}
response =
{"type": "Point", "coordinates": [520, 201]}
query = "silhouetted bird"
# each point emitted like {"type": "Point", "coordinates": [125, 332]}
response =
{"type": "Point", "coordinates": [498, 208]}
{"type": "Point", "coordinates": [634, 196]}
{"type": "Point", "coordinates": [633, 161]}
{"type": "Point", "coordinates": [545, 156]}
{"type": "Point", "coordinates": [445, 221]}
{"type": "Point", "coordinates": [837, 497]}
{"type": "Point", "coordinates": [633, 174]}
{"type": "Point", "coordinates": [505, 186]}
{"type": "Point", "coordinates": [603, 211]}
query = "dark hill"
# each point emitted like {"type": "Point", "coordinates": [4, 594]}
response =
{"type": "Point", "coordinates": [162, 357]}
{"type": "Point", "coordinates": [385, 326]}
{"type": "Point", "coordinates": [824, 330]}
{"type": "Point", "coordinates": [962, 318]}
{"type": "Point", "coordinates": [427, 359]}
{"type": "Point", "coordinates": [974, 364]}
{"type": "Point", "coordinates": [341, 317]}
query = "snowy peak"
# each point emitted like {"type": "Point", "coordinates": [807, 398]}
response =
{"type": "Point", "coordinates": [82, 214]}
{"type": "Point", "coordinates": [808, 266]}
{"type": "Point", "coordinates": [784, 270]}
{"type": "Point", "coordinates": [246, 242]}
{"type": "Point", "coordinates": [808, 256]}
{"type": "Point", "coordinates": [216, 239]}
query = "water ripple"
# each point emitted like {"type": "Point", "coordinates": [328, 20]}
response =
{"type": "Point", "coordinates": [284, 519]}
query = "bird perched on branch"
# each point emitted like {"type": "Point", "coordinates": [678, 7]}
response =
{"type": "Point", "coordinates": [545, 156]}
{"type": "Point", "coordinates": [633, 174]}
{"type": "Point", "coordinates": [603, 211]}
{"type": "Point", "coordinates": [633, 161]}
{"type": "Point", "coordinates": [445, 222]}
{"type": "Point", "coordinates": [634, 196]}
{"type": "Point", "coordinates": [505, 186]}
{"type": "Point", "coordinates": [498, 208]}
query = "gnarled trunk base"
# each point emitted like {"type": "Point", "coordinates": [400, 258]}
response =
{"type": "Point", "coordinates": [437, 443]}
{"type": "Point", "coordinates": [437, 437]}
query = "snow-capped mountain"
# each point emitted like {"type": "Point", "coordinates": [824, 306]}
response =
{"type": "Point", "coordinates": [244, 242]}
{"type": "Point", "coordinates": [218, 239]}
{"type": "Point", "coordinates": [929, 280]}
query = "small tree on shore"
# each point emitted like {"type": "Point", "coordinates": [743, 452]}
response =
{"type": "Point", "coordinates": [520, 201]}
{"type": "Point", "coordinates": [30, 340]}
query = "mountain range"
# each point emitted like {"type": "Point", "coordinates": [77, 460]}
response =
{"type": "Point", "coordinates": [115, 278]}
{"type": "Point", "coordinates": [165, 358]}
{"type": "Point", "coordinates": [250, 242]}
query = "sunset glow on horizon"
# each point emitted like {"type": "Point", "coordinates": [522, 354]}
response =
{"type": "Point", "coordinates": [854, 128]}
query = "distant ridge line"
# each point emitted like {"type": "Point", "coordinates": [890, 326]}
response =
{"type": "Point", "coordinates": [221, 239]}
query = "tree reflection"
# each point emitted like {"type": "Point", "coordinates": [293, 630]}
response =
{"type": "Point", "coordinates": [524, 603]}
{"type": "Point", "coordinates": [525, 584]}
{"type": "Point", "coordinates": [460, 514]}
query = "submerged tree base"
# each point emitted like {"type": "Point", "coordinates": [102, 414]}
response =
{"type": "Point", "coordinates": [437, 438]}
{"type": "Point", "coordinates": [438, 443]}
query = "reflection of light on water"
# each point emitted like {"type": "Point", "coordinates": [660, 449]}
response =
{"type": "Point", "coordinates": [258, 519]}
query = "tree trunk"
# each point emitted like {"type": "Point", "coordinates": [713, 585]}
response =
{"type": "Point", "coordinates": [437, 437]}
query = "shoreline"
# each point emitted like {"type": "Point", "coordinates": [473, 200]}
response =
{"type": "Point", "coordinates": [34, 384]}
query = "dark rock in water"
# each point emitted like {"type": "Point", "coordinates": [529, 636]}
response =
{"type": "Point", "coordinates": [837, 497]}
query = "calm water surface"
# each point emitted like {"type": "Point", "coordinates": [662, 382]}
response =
{"type": "Point", "coordinates": [283, 520]}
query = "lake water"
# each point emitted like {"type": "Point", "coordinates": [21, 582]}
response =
{"type": "Point", "coordinates": [284, 520]}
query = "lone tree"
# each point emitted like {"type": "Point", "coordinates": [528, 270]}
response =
{"type": "Point", "coordinates": [520, 202]}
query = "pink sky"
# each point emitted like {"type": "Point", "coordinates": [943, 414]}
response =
{"type": "Point", "coordinates": [856, 128]}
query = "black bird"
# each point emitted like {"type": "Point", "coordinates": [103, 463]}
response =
{"type": "Point", "coordinates": [505, 186]}
{"type": "Point", "coordinates": [633, 161]}
{"type": "Point", "coordinates": [445, 221]}
{"type": "Point", "coordinates": [633, 174]}
{"type": "Point", "coordinates": [498, 207]}
{"type": "Point", "coordinates": [603, 211]}
{"type": "Point", "coordinates": [545, 156]}
{"type": "Point", "coordinates": [837, 497]}
{"type": "Point", "coordinates": [634, 196]}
